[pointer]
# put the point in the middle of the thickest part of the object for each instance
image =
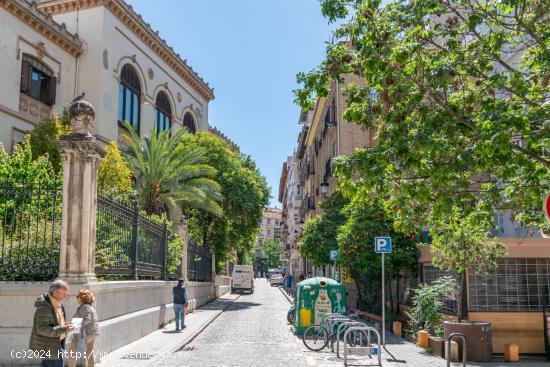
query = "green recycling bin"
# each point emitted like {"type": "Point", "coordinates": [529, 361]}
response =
{"type": "Point", "coordinates": [316, 297]}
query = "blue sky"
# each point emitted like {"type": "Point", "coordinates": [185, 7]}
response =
{"type": "Point", "coordinates": [250, 52]}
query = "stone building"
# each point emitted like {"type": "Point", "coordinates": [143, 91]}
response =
{"type": "Point", "coordinates": [269, 229]}
{"type": "Point", "coordinates": [308, 179]}
{"type": "Point", "coordinates": [54, 50]}
{"type": "Point", "coordinates": [38, 59]}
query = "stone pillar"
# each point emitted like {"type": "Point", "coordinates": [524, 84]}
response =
{"type": "Point", "coordinates": [81, 156]}
{"type": "Point", "coordinates": [183, 232]}
{"type": "Point", "coordinates": [213, 267]}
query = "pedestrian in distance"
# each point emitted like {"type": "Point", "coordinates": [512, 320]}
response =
{"type": "Point", "coordinates": [50, 326]}
{"type": "Point", "coordinates": [181, 302]}
{"type": "Point", "coordinates": [302, 277]}
{"type": "Point", "coordinates": [82, 345]}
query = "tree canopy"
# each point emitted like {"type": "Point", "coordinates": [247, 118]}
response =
{"type": "Point", "coordinates": [457, 93]}
{"type": "Point", "coordinates": [246, 195]}
{"type": "Point", "coordinates": [170, 175]}
{"type": "Point", "coordinates": [319, 236]}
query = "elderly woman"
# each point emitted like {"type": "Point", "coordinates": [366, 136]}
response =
{"type": "Point", "coordinates": [88, 331]}
{"type": "Point", "coordinates": [50, 327]}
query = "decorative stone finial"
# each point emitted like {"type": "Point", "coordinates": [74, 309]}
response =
{"type": "Point", "coordinates": [82, 116]}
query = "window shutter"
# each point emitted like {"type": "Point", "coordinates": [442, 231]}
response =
{"type": "Point", "coordinates": [25, 76]}
{"type": "Point", "coordinates": [53, 89]}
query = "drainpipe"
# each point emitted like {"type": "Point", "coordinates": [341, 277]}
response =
{"type": "Point", "coordinates": [77, 57]}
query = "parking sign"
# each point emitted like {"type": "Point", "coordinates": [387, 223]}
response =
{"type": "Point", "coordinates": [334, 254]}
{"type": "Point", "coordinates": [382, 245]}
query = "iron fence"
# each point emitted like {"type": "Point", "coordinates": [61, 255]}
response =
{"type": "Point", "coordinates": [30, 213]}
{"type": "Point", "coordinates": [199, 263]}
{"type": "Point", "coordinates": [129, 245]}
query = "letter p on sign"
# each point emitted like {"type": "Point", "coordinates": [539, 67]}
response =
{"type": "Point", "coordinates": [382, 245]}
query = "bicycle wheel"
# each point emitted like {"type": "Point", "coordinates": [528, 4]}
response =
{"type": "Point", "coordinates": [315, 337]}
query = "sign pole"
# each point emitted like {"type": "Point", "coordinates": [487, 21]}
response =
{"type": "Point", "coordinates": [383, 304]}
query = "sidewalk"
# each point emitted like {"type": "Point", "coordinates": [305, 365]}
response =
{"type": "Point", "coordinates": [162, 342]}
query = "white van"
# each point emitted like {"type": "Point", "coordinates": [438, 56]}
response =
{"type": "Point", "coordinates": [242, 278]}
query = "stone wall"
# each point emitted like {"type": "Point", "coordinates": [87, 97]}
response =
{"type": "Point", "coordinates": [222, 285]}
{"type": "Point", "coordinates": [127, 310]}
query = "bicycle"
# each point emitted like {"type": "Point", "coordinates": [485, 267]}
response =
{"type": "Point", "coordinates": [318, 336]}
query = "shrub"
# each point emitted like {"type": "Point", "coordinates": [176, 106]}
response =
{"type": "Point", "coordinates": [114, 176]}
{"type": "Point", "coordinates": [427, 304]}
{"type": "Point", "coordinates": [43, 137]}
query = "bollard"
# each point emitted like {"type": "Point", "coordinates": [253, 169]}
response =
{"type": "Point", "coordinates": [423, 339]}
{"type": "Point", "coordinates": [511, 353]}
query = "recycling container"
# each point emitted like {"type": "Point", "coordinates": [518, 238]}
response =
{"type": "Point", "coordinates": [316, 297]}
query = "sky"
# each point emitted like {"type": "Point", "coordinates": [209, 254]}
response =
{"type": "Point", "coordinates": [249, 51]}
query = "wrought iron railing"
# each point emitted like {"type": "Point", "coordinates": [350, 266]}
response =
{"type": "Point", "coordinates": [30, 214]}
{"type": "Point", "coordinates": [129, 245]}
{"type": "Point", "coordinates": [199, 263]}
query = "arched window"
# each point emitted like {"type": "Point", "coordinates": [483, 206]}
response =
{"type": "Point", "coordinates": [129, 97]}
{"type": "Point", "coordinates": [163, 111]}
{"type": "Point", "coordinates": [189, 122]}
{"type": "Point", "coordinates": [38, 80]}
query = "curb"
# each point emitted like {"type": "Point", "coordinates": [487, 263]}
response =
{"type": "Point", "coordinates": [286, 295]}
{"type": "Point", "coordinates": [177, 346]}
{"type": "Point", "coordinates": [206, 324]}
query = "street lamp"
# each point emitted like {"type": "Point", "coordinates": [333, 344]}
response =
{"type": "Point", "coordinates": [324, 188]}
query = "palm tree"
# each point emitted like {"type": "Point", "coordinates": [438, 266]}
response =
{"type": "Point", "coordinates": [170, 176]}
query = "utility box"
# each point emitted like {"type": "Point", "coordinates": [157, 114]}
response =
{"type": "Point", "coordinates": [316, 297]}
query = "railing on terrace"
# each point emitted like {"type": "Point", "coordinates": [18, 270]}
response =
{"type": "Point", "coordinates": [30, 215]}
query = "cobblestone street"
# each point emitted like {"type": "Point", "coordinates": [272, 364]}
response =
{"type": "Point", "coordinates": [253, 332]}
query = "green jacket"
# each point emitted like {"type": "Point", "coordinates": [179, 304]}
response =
{"type": "Point", "coordinates": [46, 330]}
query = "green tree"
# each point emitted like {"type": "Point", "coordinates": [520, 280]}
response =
{"type": "Point", "coordinates": [43, 137]}
{"type": "Point", "coordinates": [170, 175]}
{"type": "Point", "coordinates": [114, 177]}
{"type": "Point", "coordinates": [462, 127]}
{"type": "Point", "coordinates": [427, 303]}
{"type": "Point", "coordinates": [457, 122]}
{"type": "Point", "coordinates": [272, 250]}
{"type": "Point", "coordinates": [246, 195]}
{"type": "Point", "coordinates": [463, 246]}
{"type": "Point", "coordinates": [320, 233]}
{"type": "Point", "coordinates": [366, 219]}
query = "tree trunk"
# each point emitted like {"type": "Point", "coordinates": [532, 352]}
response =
{"type": "Point", "coordinates": [392, 309]}
{"type": "Point", "coordinates": [397, 294]}
{"type": "Point", "coordinates": [459, 290]}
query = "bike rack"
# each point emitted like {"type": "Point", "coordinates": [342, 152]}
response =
{"type": "Point", "coordinates": [329, 315]}
{"type": "Point", "coordinates": [333, 323]}
{"type": "Point", "coordinates": [464, 348]}
{"type": "Point", "coordinates": [343, 327]}
{"type": "Point", "coordinates": [362, 350]}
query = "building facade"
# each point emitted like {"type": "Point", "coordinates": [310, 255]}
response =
{"type": "Point", "coordinates": [55, 50]}
{"type": "Point", "coordinates": [309, 179]}
{"type": "Point", "coordinates": [38, 59]}
{"type": "Point", "coordinates": [270, 229]}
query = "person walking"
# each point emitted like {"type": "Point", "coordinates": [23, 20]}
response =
{"type": "Point", "coordinates": [50, 326]}
{"type": "Point", "coordinates": [84, 341]}
{"type": "Point", "coordinates": [181, 300]}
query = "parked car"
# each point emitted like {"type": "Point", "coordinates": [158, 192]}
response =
{"type": "Point", "coordinates": [276, 279]}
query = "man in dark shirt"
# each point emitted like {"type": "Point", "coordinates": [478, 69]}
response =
{"type": "Point", "coordinates": [180, 300]}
